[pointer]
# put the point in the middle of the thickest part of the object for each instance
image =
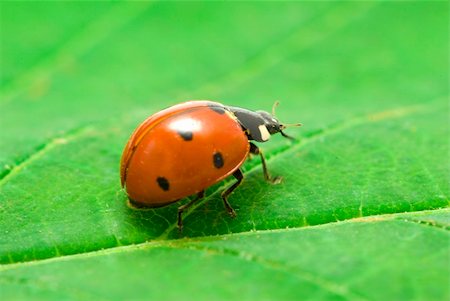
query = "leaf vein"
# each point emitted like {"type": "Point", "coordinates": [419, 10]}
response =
{"type": "Point", "coordinates": [426, 223]}
{"type": "Point", "coordinates": [171, 243]}
{"type": "Point", "coordinates": [277, 265]}
{"type": "Point", "coordinates": [40, 151]}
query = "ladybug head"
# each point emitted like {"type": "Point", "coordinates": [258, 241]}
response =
{"type": "Point", "coordinates": [273, 125]}
{"type": "Point", "coordinates": [260, 125]}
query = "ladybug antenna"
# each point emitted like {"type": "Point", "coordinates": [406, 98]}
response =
{"type": "Point", "coordinates": [275, 105]}
{"type": "Point", "coordinates": [283, 126]}
{"type": "Point", "coordinates": [286, 126]}
{"type": "Point", "coordinates": [291, 125]}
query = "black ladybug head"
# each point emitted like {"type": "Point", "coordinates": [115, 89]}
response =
{"type": "Point", "coordinates": [259, 125]}
{"type": "Point", "coordinates": [271, 122]}
{"type": "Point", "coordinates": [273, 125]}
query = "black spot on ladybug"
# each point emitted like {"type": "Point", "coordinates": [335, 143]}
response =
{"type": "Point", "coordinates": [217, 109]}
{"type": "Point", "coordinates": [218, 160]}
{"type": "Point", "coordinates": [163, 183]}
{"type": "Point", "coordinates": [186, 135]}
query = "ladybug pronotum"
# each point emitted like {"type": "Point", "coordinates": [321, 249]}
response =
{"type": "Point", "coordinates": [184, 149]}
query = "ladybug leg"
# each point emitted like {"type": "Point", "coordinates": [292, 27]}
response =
{"type": "Point", "coordinates": [181, 209]}
{"type": "Point", "coordinates": [256, 151]}
{"type": "Point", "coordinates": [239, 176]}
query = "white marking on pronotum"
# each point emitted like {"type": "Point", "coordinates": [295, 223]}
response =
{"type": "Point", "coordinates": [265, 135]}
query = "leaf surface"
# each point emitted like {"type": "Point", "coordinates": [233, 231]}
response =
{"type": "Point", "coordinates": [369, 83]}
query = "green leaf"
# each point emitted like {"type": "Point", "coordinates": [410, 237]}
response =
{"type": "Point", "coordinates": [351, 260]}
{"type": "Point", "coordinates": [368, 81]}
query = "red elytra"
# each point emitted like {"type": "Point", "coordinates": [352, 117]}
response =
{"type": "Point", "coordinates": [184, 149]}
{"type": "Point", "coordinates": [158, 150]}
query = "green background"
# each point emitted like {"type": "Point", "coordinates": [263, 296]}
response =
{"type": "Point", "coordinates": [362, 213]}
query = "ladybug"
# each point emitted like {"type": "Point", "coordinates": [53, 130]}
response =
{"type": "Point", "coordinates": [184, 149]}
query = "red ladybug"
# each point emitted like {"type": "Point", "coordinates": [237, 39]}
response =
{"type": "Point", "coordinates": [184, 149]}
